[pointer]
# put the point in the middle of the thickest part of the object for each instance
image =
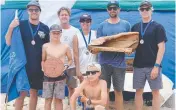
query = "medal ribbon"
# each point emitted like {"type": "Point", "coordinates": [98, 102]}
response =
{"type": "Point", "coordinates": [143, 32]}
{"type": "Point", "coordinates": [32, 32]}
{"type": "Point", "coordinates": [86, 43]}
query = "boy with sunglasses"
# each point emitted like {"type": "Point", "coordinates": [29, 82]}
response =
{"type": "Point", "coordinates": [113, 63]}
{"type": "Point", "coordinates": [93, 90]}
{"type": "Point", "coordinates": [34, 34]}
{"type": "Point", "coordinates": [149, 54]}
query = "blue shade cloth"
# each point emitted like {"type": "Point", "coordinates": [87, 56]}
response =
{"type": "Point", "coordinates": [17, 80]}
{"type": "Point", "coordinates": [166, 18]}
{"type": "Point", "coordinates": [99, 4]}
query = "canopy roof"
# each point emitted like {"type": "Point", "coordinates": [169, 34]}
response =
{"type": "Point", "coordinates": [166, 5]}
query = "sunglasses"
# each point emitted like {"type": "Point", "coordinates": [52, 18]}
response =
{"type": "Point", "coordinates": [85, 21]}
{"type": "Point", "coordinates": [112, 8]}
{"type": "Point", "coordinates": [56, 32]}
{"type": "Point", "coordinates": [34, 10]}
{"type": "Point", "coordinates": [146, 9]}
{"type": "Point", "coordinates": [91, 72]}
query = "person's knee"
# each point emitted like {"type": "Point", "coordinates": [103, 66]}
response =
{"type": "Point", "coordinates": [155, 93]}
{"type": "Point", "coordinates": [58, 100]}
{"type": "Point", "coordinates": [71, 89]}
{"type": "Point", "coordinates": [48, 101]}
{"type": "Point", "coordinates": [33, 93]}
{"type": "Point", "coordinates": [139, 92]}
{"type": "Point", "coordinates": [118, 93]}
{"type": "Point", "coordinates": [23, 94]}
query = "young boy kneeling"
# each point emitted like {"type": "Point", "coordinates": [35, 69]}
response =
{"type": "Point", "coordinates": [93, 90]}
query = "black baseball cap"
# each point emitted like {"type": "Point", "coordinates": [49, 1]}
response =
{"type": "Point", "coordinates": [55, 27]}
{"type": "Point", "coordinates": [33, 3]}
{"type": "Point", "coordinates": [85, 17]}
{"type": "Point", "coordinates": [113, 3]}
{"type": "Point", "coordinates": [146, 3]}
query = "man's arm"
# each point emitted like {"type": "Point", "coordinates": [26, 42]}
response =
{"type": "Point", "coordinates": [69, 56]}
{"type": "Point", "coordinates": [76, 54]}
{"type": "Point", "coordinates": [161, 50]}
{"type": "Point", "coordinates": [103, 100]}
{"type": "Point", "coordinates": [43, 55]}
{"type": "Point", "coordinates": [128, 27]}
{"type": "Point", "coordinates": [76, 94]}
{"type": "Point", "coordinates": [160, 54]}
{"type": "Point", "coordinates": [8, 36]}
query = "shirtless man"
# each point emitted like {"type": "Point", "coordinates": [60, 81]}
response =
{"type": "Point", "coordinates": [93, 90]}
{"type": "Point", "coordinates": [55, 87]}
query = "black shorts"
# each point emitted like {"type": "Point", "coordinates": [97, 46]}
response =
{"type": "Point", "coordinates": [49, 79]}
{"type": "Point", "coordinates": [35, 80]}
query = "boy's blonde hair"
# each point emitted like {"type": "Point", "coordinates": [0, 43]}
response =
{"type": "Point", "coordinates": [97, 65]}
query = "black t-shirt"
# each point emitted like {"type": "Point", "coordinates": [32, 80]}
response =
{"type": "Point", "coordinates": [34, 52]}
{"type": "Point", "coordinates": [146, 53]}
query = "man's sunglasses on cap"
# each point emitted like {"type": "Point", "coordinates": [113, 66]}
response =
{"type": "Point", "coordinates": [112, 8]}
{"type": "Point", "coordinates": [91, 72]}
{"type": "Point", "coordinates": [34, 10]}
{"type": "Point", "coordinates": [146, 9]}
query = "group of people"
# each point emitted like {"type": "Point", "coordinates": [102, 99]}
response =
{"type": "Point", "coordinates": [69, 45]}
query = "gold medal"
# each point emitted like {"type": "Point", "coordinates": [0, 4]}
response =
{"type": "Point", "coordinates": [33, 42]}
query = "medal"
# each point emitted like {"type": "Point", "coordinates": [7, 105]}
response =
{"type": "Point", "coordinates": [33, 34]}
{"type": "Point", "coordinates": [143, 31]}
{"type": "Point", "coordinates": [86, 43]}
{"type": "Point", "coordinates": [141, 41]}
{"type": "Point", "coordinates": [33, 42]}
{"type": "Point", "coordinates": [87, 52]}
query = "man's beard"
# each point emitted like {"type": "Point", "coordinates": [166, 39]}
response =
{"type": "Point", "coordinates": [113, 16]}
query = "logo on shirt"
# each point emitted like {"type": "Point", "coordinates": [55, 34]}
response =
{"type": "Point", "coordinates": [41, 34]}
{"type": "Point", "coordinates": [65, 38]}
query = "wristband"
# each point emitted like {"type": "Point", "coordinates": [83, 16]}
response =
{"type": "Point", "coordinates": [66, 66]}
{"type": "Point", "coordinates": [157, 65]}
{"type": "Point", "coordinates": [89, 102]}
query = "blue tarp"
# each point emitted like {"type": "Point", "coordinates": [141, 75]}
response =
{"type": "Point", "coordinates": [166, 18]}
